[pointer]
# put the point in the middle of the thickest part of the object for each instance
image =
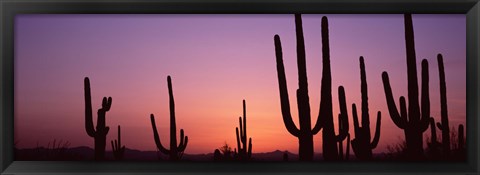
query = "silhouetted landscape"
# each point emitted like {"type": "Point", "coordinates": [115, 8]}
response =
{"type": "Point", "coordinates": [411, 115]}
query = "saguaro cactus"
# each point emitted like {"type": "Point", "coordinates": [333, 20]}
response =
{"type": "Point", "coordinates": [117, 149]}
{"type": "Point", "coordinates": [244, 151]}
{"type": "Point", "coordinates": [414, 122]}
{"type": "Point", "coordinates": [100, 134]}
{"type": "Point", "coordinates": [361, 145]}
{"type": "Point", "coordinates": [175, 152]}
{"type": "Point", "coordinates": [461, 141]}
{"type": "Point", "coordinates": [444, 126]}
{"type": "Point", "coordinates": [305, 131]}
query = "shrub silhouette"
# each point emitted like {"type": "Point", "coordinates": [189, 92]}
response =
{"type": "Point", "coordinates": [175, 152]}
{"type": "Point", "coordinates": [444, 127]}
{"type": "Point", "coordinates": [117, 149]}
{"type": "Point", "coordinates": [414, 122]}
{"type": "Point", "coordinates": [305, 131]}
{"type": "Point", "coordinates": [217, 156]}
{"type": "Point", "coordinates": [100, 134]}
{"type": "Point", "coordinates": [244, 150]}
{"type": "Point", "coordinates": [361, 145]}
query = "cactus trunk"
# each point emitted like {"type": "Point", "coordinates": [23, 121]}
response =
{"type": "Point", "coordinates": [175, 153]}
{"type": "Point", "coordinates": [444, 126]}
{"type": "Point", "coordinates": [414, 122]}
{"type": "Point", "coordinates": [100, 132]}
{"type": "Point", "coordinates": [305, 132]}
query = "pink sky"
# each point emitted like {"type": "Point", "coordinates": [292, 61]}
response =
{"type": "Point", "coordinates": [215, 62]}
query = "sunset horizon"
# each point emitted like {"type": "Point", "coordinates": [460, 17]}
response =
{"type": "Point", "coordinates": [213, 63]}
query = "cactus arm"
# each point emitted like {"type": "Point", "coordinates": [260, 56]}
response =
{"type": "Point", "coordinates": [355, 120]}
{"type": "Point", "coordinates": [347, 153]}
{"type": "Point", "coordinates": [326, 87]}
{"type": "Point", "coordinates": [244, 136]}
{"type": "Point", "coordinates": [249, 153]}
{"type": "Point", "coordinates": [440, 126]}
{"type": "Point", "coordinates": [238, 139]}
{"type": "Point", "coordinates": [113, 146]}
{"type": "Point", "coordinates": [284, 101]}
{"type": "Point", "coordinates": [376, 138]}
{"type": "Point", "coordinates": [157, 137]}
{"type": "Point", "coordinates": [392, 109]}
{"type": "Point", "coordinates": [119, 138]}
{"type": "Point", "coordinates": [241, 129]}
{"type": "Point", "coordinates": [343, 116]}
{"type": "Point", "coordinates": [88, 109]}
{"type": "Point", "coordinates": [403, 111]}
{"type": "Point", "coordinates": [183, 141]}
{"type": "Point", "coordinates": [425, 120]}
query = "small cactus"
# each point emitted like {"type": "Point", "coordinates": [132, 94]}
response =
{"type": "Point", "coordinates": [117, 148]}
{"type": "Point", "coordinates": [244, 150]}
{"type": "Point", "coordinates": [100, 133]}
{"type": "Point", "coordinates": [175, 152]}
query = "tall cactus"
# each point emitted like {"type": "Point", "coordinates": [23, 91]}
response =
{"type": "Point", "coordinates": [117, 149]}
{"type": "Point", "coordinates": [175, 152]}
{"type": "Point", "coordinates": [305, 131]}
{"type": "Point", "coordinates": [361, 145]}
{"type": "Point", "coordinates": [414, 122]}
{"type": "Point", "coordinates": [444, 126]}
{"type": "Point", "coordinates": [244, 151]}
{"type": "Point", "coordinates": [100, 134]}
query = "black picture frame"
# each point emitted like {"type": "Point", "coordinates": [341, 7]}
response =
{"type": "Point", "coordinates": [9, 8]}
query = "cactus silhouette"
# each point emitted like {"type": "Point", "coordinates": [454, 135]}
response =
{"type": "Point", "coordinates": [414, 122]}
{"type": "Point", "coordinates": [100, 134]}
{"type": "Point", "coordinates": [117, 148]}
{"type": "Point", "coordinates": [305, 131]}
{"type": "Point", "coordinates": [175, 152]}
{"type": "Point", "coordinates": [361, 145]}
{"type": "Point", "coordinates": [444, 126]}
{"type": "Point", "coordinates": [461, 141]}
{"type": "Point", "coordinates": [244, 150]}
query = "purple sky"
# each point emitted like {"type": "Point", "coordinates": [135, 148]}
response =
{"type": "Point", "coordinates": [216, 61]}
